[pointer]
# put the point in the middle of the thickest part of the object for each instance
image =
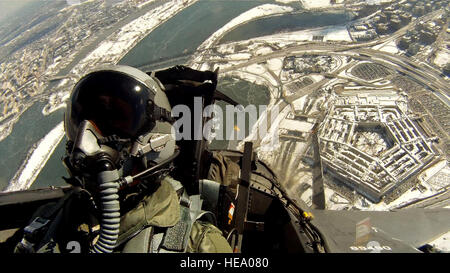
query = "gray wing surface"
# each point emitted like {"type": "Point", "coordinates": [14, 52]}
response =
{"type": "Point", "coordinates": [394, 231]}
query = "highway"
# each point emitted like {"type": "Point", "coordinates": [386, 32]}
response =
{"type": "Point", "coordinates": [429, 77]}
{"type": "Point", "coordinates": [421, 72]}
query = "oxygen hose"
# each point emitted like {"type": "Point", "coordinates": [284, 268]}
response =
{"type": "Point", "coordinates": [110, 210]}
{"type": "Point", "coordinates": [109, 183]}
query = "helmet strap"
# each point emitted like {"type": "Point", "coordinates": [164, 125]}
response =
{"type": "Point", "coordinates": [159, 113]}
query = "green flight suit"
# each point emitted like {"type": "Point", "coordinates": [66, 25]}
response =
{"type": "Point", "coordinates": [139, 227]}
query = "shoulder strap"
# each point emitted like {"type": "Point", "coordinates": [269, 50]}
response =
{"type": "Point", "coordinates": [175, 239]}
{"type": "Point", "coordinates": [209, 191]}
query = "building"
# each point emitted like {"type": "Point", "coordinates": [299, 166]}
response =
{"type": "Point", "coordinates": [413, 49]}
{"type": "Point", "coordinates": [381, 28]}
{"type": "Point", "coordinates": [404, 42]}
{"type": "Point", "coordinates": [427, 37]}
{"type": "Point", "coordinates": [369, 143]}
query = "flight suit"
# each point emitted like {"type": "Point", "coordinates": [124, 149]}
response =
{"type": "Point", "coordinates": [161, 223]}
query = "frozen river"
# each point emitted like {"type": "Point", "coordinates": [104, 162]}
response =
{"type": "Point", "coordinates": [181, 34]}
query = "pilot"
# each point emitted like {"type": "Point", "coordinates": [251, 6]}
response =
{"type": "Point", "coordinates": [120, 152]}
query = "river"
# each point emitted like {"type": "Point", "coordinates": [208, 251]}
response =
{"type": "Point", "coordinates": [173, 38]}
{"type": "Point", "coordinates": [184, 32]}
{"type": "Point", "coordinates": [179, 36]}
{"type": "Point", "coordinates": [31, 127]}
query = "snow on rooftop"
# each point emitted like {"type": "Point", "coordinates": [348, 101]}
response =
{"type": "Point", "coordinates": [299, 103]}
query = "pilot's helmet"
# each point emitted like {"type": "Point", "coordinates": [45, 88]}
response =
{"type": "Point", "coordinates": [118, 100]}
{"type": "Point", "coordinates": [118, 103]}
{"type": "Point", "coordinates": [119, 134]}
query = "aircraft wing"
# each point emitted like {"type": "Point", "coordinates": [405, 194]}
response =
{"type": "Point", "coordinates": [381, 231]}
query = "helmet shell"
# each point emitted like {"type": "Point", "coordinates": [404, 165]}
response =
{"type": "Point", "coordinates": [116, 99]}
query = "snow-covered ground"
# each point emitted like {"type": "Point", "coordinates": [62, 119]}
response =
{"type": "Point", "coordinates": [335, 201]}
{"type": "Point", "coordinates": [442, 243]}
{"type": "Point", "coordinates": [389, 47]}
{"type": "Point", "coordinates": [409, 196]}
{"type": "Point", "coordinates": [442, 57]}
{"type": "Point", "coordinates": [286, 1]}
{"type": "Point", "coordinates": [112, 49]}
{"type": "Point", "coordinates": [331, 33]}
{"type": "Point", "coordinates": [263, 50]}
{"type": "Point", "coordinates": [325, 4]}
{"type": "Point", "coordinates": [432, 171]}
{"type": "Point", "coordinates": [316, 77]}
{"type": "Point", "coordinates": [296, 125]}
{"type": "Point", "coordinates": [269, 144]}
{"type": "Point", "coordinates": [307, 197]}
{"type": "Point", "coordinates": [275, 65]}
{"type": "Point", "coordinates": [261, 71]}
{"type": "Point", "coordinates": [240, 56]}
{"type": "Point", "coordinates": [57, 100]}
{"type": "Point", "coordinates": [314, 4]}
{"type": "Point", "coordinates": [362, 203]}
{"type": "Point", "coordinates": [321, 4]}
{"type": "Point", "coordinates": [257, 12]}
{"type": "Point", "coordinates": [144, 3]}
{"type": "Point", "coordinates": [29, 172]}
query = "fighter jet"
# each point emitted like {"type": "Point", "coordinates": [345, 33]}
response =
{"type": "Point", "coordinates": [254, 211]}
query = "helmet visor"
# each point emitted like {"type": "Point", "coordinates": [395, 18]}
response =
{"type": "Point", "coordinates": [116, 103]}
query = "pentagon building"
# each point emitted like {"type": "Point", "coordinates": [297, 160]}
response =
{"type": "Point", "coordinates": [368, 142]}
